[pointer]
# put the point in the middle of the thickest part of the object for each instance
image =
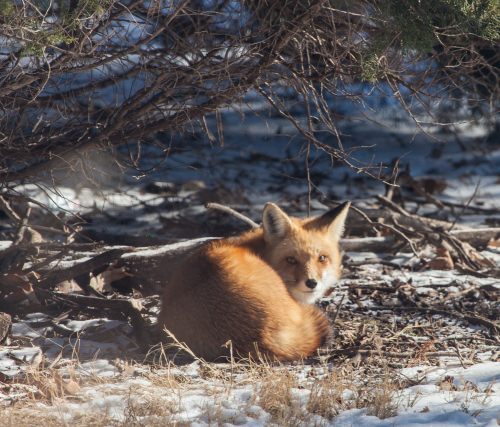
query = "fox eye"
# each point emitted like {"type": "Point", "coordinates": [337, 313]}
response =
{"type": "Point", "coordinates": [322, 258]}
{"type": "Point", "coordinates": [291, 260]}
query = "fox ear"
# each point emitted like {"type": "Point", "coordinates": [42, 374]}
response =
{"type": "Point", "coordinates": [333, 220]}
{"type": "Point", "coordinates": [275, 222]}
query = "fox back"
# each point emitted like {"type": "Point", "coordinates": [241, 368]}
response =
{"type": "Point", "coordinates": [255, 290]}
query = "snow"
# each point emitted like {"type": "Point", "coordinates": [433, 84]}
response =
{"type": "Point", "coordinates": [25, 330]}
{"type": "Point", "coordinates": [445, 418]}
{"type": "Point", "coordinates": [165, 248]}
{"type": "Point", "coordinates": [9, 357]}
{"type": "Point", "coordinates": [199, 402]}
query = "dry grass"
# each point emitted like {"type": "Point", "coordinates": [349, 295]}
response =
{"type": "Point", "coordinates": [49, 385]}
{"type": "Point", "coordinates": [140, 410]}
{"type": "Point", "coordinates": [165, 377]}
{"type": "Point", "coordinates": [151, 411]}
{"type": "Point", "coordinates": [24, 418]}
{"type": "Point", "coordinates": [382, 401]}
{"type": "Point", "coordinates": [274, 394]}
{"type": "Point", "coordinates": [327, 397]}
{"type": "Point", "coordinates": [277, 389]}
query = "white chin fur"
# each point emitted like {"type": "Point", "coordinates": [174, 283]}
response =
{"type": "Point", "coordinates": [305, 297]}
{"type": "Point", "coordinates": [304, 294]}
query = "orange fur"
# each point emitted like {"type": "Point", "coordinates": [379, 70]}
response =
{"type": "Point", "coordinates": [241, 290]}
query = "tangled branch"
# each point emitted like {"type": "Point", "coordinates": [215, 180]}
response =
{"type": "Point", "coordinates": [79, 74]}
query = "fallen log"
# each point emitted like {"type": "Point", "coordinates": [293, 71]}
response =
{"type": "Point", "coordinates": [150, 266]}
{"type": "Point", "coordinates": [477, 237]}
{"type": "Point", "coordinates": [59, 275]}
{"type": "Point", "coordinates": [154, 257]}
{"type": "Point", "coordinates": [127, 308]}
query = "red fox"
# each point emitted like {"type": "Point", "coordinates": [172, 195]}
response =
{"type": "Point", "coordinates": [254, 289]}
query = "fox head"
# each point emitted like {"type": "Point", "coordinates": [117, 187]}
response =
{"type": "Point", "coordinates": [304, 252]}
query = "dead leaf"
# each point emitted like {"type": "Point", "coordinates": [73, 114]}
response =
{"type": "Point", "coordinates": [67, 287]}
{"type": "Point", "coordinates": [494, 243]}
{"type": "Point", "coordinates": [102, 282]}
{"type": "Point", "coordinates": [442, 261]}
{"type": "Point", "coordinates": [70, 386]}
{"type": "Point", "coordinates": [137, 304]}
{"type": "Point", "coordinates": [446, 383]}
{"type": "Point", "coordinates": [17, 288]}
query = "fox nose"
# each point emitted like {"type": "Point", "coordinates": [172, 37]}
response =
{"type": "Point", "coordinates": [311, 283]}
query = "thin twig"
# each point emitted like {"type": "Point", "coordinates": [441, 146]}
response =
{"type": "Point", "coordinates": [471, 318]}
{"type": "Point", "coordinates": [5, 206]}
{"type": "Point", "coordinates": [471, 198]}
{"type": "Point", "coordinates": [391, 205]}
{"type": "Point", "coordinates": [388, 227]}
{"type": "Point", "coordinates": [338, 309]}
{"type": "Point", "coordinates": [369, 352]}
{"type": "Point", "coordinates": [23, 226]}
{"type": "Point", "coordinates": [231, 211]}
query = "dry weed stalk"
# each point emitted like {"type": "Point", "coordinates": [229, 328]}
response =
{"type": "Point", "coordinates": [49, 384]}
{"type": "Point", "coordinates": [382, 402]}
{"type": "Point", "coordinates": [327, 396]}
{"type": "Point", "coordinates": [274, 395]}
{"type": "Point", "coordinates": [144, 410]}
{"type": "Point", "coordinates": [28, 418]}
